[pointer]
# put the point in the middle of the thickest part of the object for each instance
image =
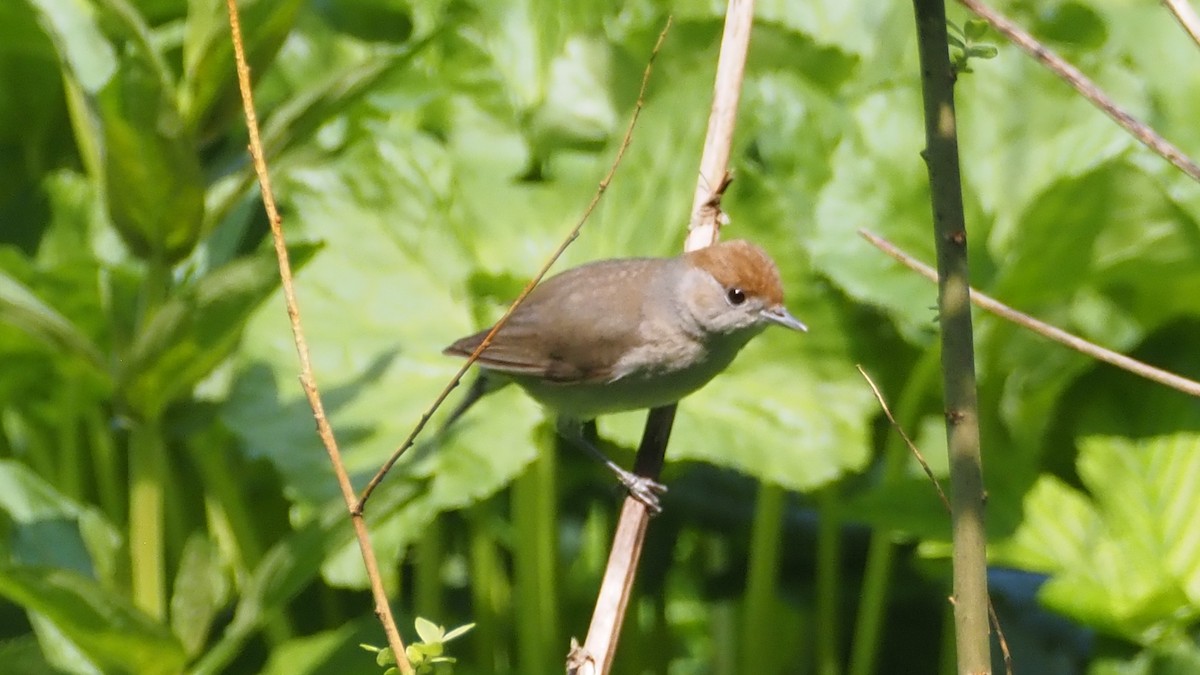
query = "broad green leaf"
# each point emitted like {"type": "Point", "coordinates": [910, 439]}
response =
{"type": "Point", "coordinates": [882, 144]}
{"type": "Point", "coordinates": [112, 634]}
{"type": "Point", "coordinates": [1127, 560]}
{"type": "Point", "coordinates": [309, 108]}
{"type": "Point", "coordinates": [378, 307]}
{"type": "Point", "coordinates": [198, 327]}
{"type": "Point", "coordinates": [48, 529]}
{"type": "Point", "coordinates": [1181, 659]}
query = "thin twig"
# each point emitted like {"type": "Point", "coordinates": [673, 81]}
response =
{"type": "Point", "coordinates": [1008, 660]}
{"type": "Point", "coordinates": [571, 237]}
{"type": "Point", "coordinates": [307, 380]}
{"type": "Point", "coordinates": [912, 447]}
{"type": "Point", "coordinates": [1085, 87]}
{"type": "Point", "coordinates": [616, 588]}
{"type": "Point", "coordinates": [983, 301]}
{"type": "Point", "coordinates": [1186, 16]}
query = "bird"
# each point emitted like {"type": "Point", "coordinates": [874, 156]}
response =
{"type": "Point", "coordinates": [628, 334]}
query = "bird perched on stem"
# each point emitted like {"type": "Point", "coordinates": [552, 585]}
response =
{"type": "Point", "coordinates": [630, 333]}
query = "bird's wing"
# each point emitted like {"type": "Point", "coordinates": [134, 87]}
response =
{"type": "Point", "coordinates": [573, 327]}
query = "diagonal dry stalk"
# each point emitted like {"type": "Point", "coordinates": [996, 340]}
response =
{"type": "Point", "coordinates": [307, 379]}
{"type": "Point", "coordinates": [1186, 16]}
{"type": "Point", "coordinates": [958, 348]}
{"type": "Point", "coordinates": [1086, 88]}
{"type": "Point", "coordinates": [986, 302]}
{"type": "Point", "coordinates": [596, 654]}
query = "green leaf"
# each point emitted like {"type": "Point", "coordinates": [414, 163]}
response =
{"type": "Point", "coordinates": [21, 308]}
{"type": "Point", "coordinates": [49, 529]}
{"type": "Point", "coordinates": [111, 633]}
{"type": "Point", "coordinates": [1126, 561]}
{"type": "Point", "coordinates": [429, 631]}
{"type": "Point", "coordinates": [1181, 659]}
{"type": "Point", "coordinates": [457, 632]}
{"type": "Point", "coordinates": [199, 326]}
{"type": "Point", "coordinates": [201, 590]}
{"type": "Point", "coordinates": [81, 44]}
{"type": "Point", "coordinates": [1073, 23]}
{"type": "Point", "coordinates": [974, 29]}
{"type": "Point", "coordinates": [153, 181]}
{"type": "Point", "coordinates": [328, 651]}
{"type": "Point", "coordinates": [208, 96]}
{"type": "Point", "coordinates": [130, 135]}
{"type": "Point", "coordinates": [370, 20]}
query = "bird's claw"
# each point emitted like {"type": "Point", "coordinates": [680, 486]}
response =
{"type": "Point", "coordinates": [645, 490]}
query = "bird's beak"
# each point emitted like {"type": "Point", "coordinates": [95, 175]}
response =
{"type": "Point", "coordinates": [779, 315]}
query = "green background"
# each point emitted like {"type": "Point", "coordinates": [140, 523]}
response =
{"type": "Point", "coordinates": [166, 507]}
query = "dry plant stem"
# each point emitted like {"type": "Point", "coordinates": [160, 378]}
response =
{"type": "Point", "coordinates": [703, 229]}
{"type": "Point", "coordinates": [307, 381]}
{"type": "Point", "coordinates": [958, 351]}
{"type": "Point", "coordinates": [616, 588]}
{"type": "Point", "coordinates": [571, 237]}
{"type": "Point", "coordinates": [986, 302]}
{"type": "Point", "coordinates": [1008, 660]}
{"type": "Point", "coordinates": [912, 447]}
{"type": "Point", "coordinates": [1186, 16]}
{"type": "Point", "coordinates": [1086, 87]}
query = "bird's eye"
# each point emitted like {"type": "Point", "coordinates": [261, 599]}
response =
{"type": "Point", "coordinates": [736, 296]}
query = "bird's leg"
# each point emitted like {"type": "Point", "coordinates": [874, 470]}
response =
{"type": "Point", "coordinates": [645, 490]}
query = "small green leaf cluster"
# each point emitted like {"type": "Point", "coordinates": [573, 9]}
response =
{"type": "Point", "coordinates": [965, 44]}
{"type": "Point", "coordinates": [428, 655]}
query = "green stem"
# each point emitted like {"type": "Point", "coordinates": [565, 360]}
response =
{"type": "Point", "coordinates": [539, 649]}
{"type": "Point", "coordinates": [70, 451]}
{"type": "Point", "coordinates": [106, 465]}
{"type": "Point", "coordinates": [147, 469]}
{"type": "Point", "coordinates": [490, 591]}
{"type": "Point", "coordinates": [759, 652]}
{"type": "Point", "coordinates": [829, 566]}
{"type": "Point", "coordinates": [230, 516]}
{"type": "Point", "coordinates": [724, 636]}
{"type": "Point", "coordinates": [427, 580]}
{"type": "Point", "coordinates": [958, 348]}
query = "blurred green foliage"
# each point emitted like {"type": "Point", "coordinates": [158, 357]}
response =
{"type": "Point", "coordinates": [165, 505]}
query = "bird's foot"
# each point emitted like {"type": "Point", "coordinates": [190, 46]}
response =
{"type": "Point", "coordinates": [645, 490]}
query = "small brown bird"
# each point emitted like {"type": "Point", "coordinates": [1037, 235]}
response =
{"type": "Point", "coordinates": [631, 333]}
